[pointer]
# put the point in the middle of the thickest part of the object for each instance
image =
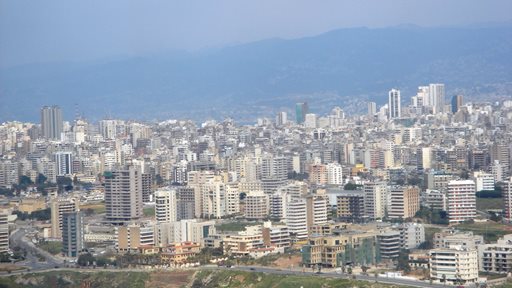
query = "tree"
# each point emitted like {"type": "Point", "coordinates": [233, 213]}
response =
{"type": "Point", "coordinates": [403, 261]}
{"type": "Point", "coordinates": [243, 195]}
{"type": "Point", "coordinates": [350, 186]}
{"type": "Point", "coordinates": [85, 259]}
{"type": "Point", "coordinates": [41, 179]}
{"type": "Point", "coordinates": [25, 181]}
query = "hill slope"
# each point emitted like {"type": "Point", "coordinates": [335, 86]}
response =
{"type": "Point", "coordinates": [258, 78]}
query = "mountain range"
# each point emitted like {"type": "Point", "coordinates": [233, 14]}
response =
{"type": "Point", "coordinates": [344, 67]}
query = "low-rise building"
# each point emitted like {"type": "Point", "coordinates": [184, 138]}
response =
{"type": "Point", "coordinates": [455, 264]}
{"type": "Point", "coordinates": [496, 257]}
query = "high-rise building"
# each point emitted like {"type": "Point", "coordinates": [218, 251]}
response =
{"type": "Point", "coordinates": [301, 109]}
{"type": "Point", "coordinates": [334, 174]}
{"type": "Point", "coordinates": [375, 199]}
{"type": "Point", "coordinates": [457, 101]}
{"type": "Point", "coordinates": [59, 207]}
{"type": "Point", "coordinates": [123, 195]}
{"type": "Point", "coordinates": [350, 206]}
{"type": "Point", "coordinates": [437, 97]}
{"type": "Point", "coordinates": [166, 205]}
{"type": "Point", "coordinates": [51, 122]}
{"type": "Point", "coordinates": [64, 162]}
{"type": "Point", "coordinates": [394, 105]}
{"type": "Point", "coordinates": [185, 198]}
{"type": "Point", "coordinates": [4, 232]}
{"type": "Point", "coordinates": [461, 200]}
{"type": "Point", "coordinates": [372, 108]}
{"type": "Point", "coordinates": [316, 209]}
{"type": "Point", "coordinates": [404, 202]}
{"type": "Point", "coordinates": [281, 118]}
{"type": "Point", "coordinates": [507, 197]}
{"type": "Point", "coordinates": [72, 234]}
{"type": "Point", "coordinates": [256, 205]}
{"type": "Point", "coordinates": [147, 191]}
{"type": "Point", "coordinates": [296, 218]}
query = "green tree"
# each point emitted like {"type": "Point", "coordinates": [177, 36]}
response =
{"type": "Point", "coordinates": [85, 259]}
{"type": "Point", "coordinates": [403, 261]}
{"type": "Point", "coordinates": [41, 179]}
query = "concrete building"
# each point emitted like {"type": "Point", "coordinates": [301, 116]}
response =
{"type": "Point", "coordinates": [296, 218]}
{"type": "Point", "coordinates": [187, 230]}
{"type": "Point", "coordinates": [437, 98]}
{"type": "Point", "coordinates": [133, 236]}
{"type": "Point", "coordinates": [350, 206]}
{"type": "Point", "coordinates": [59, 207]}
{"type": "Point", "coordinates": [394, 105]}
{"type": "Point", "coordinates": [484, 181]}
{"type": "Point", "coordinates": [275, 235]}
{"type": "Point", "coordinates": [301, 109]}
{"type": "Point", "coordinates": [496, 257]}
{"type": "Point", "coordinates": [123, 195]}
{"type": "Point", "coordinates": [72, 234]}
{"type": "Point", "coordinates": [4, 232]}
{"type": "Point", "coordinates": [51, 122]}
{"type": "Point", "coordinates": [334, 174]}
{"type": "Point", "coordinates": [256, 205]}
{"type": "Point", "coordinates": [411, 235]}
{"type": "Point", "coordinates": [376, 198]}
{"type": "Point", "coordinates": [147, 189]}
{"type": "Point", "coordinates": [389, 243]}
{"type": "Point", "coordinates": [316, 209]}
{"type": "Point", "coordinates": [461, 201]}
{"type": "Point", "coordinates": [507, 197]}
{"type": "Point", "coordinates": [454, 264]}
{"type": "Point", "coordinates": [64, 163]}
{"type": "Point", "coordinates": [404, 202]}
{"type": "Point", "coordinates": [166, 205]}
{"type": "Point", "coordinates": [448, 238]}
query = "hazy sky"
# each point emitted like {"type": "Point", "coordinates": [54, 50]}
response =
{"type": "Point", "coordinates": [57, 30]}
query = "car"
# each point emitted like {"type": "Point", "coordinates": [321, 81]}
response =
{"type": "Point", "coordinates": [252, 268]}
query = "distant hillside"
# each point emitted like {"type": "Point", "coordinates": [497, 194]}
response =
{"type": "Point", "coordinates": [258, 78]}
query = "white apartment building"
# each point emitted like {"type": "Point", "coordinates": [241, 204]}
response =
{"type": "Point", "coordinates": [334, 174]}
{"type": "Point", "coordinates": [375, 199]}
{"type": "Point", "coordinates": [496, 257]}
{"type": "Point", "coordinates": [165, 205]}
{"type": "Point", "coordinates": [461, 200]}
{"type": "Point", "coordinates": [411, 235]}
{"type": "Point", "coordinates": [454, 264]}
{"type": "Point", "coordinates": [484, 181]}
{"type": "Point", "coordinates": [296, 218]}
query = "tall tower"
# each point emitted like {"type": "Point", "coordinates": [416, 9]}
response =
{"type": "Point", "coordinates": [394, 104]}
{"type": "Point", "coordinates": [457, 101]}
{"type": "Point", "coordinates": [507, 196]}
{"type": "Point", "coordinates": [437, 98]}
{"type": "Point", "coordinates": [72, 234]}
{"type": "Point", "coordinates": [461, 200]}
{"type": "Point", "coordinates": [64, 161]}
{"type": "Point", "coordinates": [51, 122]}
{"type": "Point", "coordinates": [301, 109]}
{"type": "Point", "coordinates": [123, 195]}
{"type": "Point", "coordinates": [372, 108]}
{"type": "Point", "coordinates": [166, 205]}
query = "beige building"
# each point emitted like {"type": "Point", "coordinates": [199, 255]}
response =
{"type": "Point", "coordinates": [256, 205]}
{"type": "Point", "coordinates": [455, 264]}
{"type": "Point", "coordinates": [132, 237]}
{"type": "Point", "coordinates": [60, 206]}
{"type": "Point", "coordinates": [123, 195]}
{"type": "Point", "coordinates": [316, 208]}
{"type": "Point", "coordinates": [404, 202]}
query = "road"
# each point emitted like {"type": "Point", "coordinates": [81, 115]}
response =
{"type": "Point", "coordinates": [32, 259]}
